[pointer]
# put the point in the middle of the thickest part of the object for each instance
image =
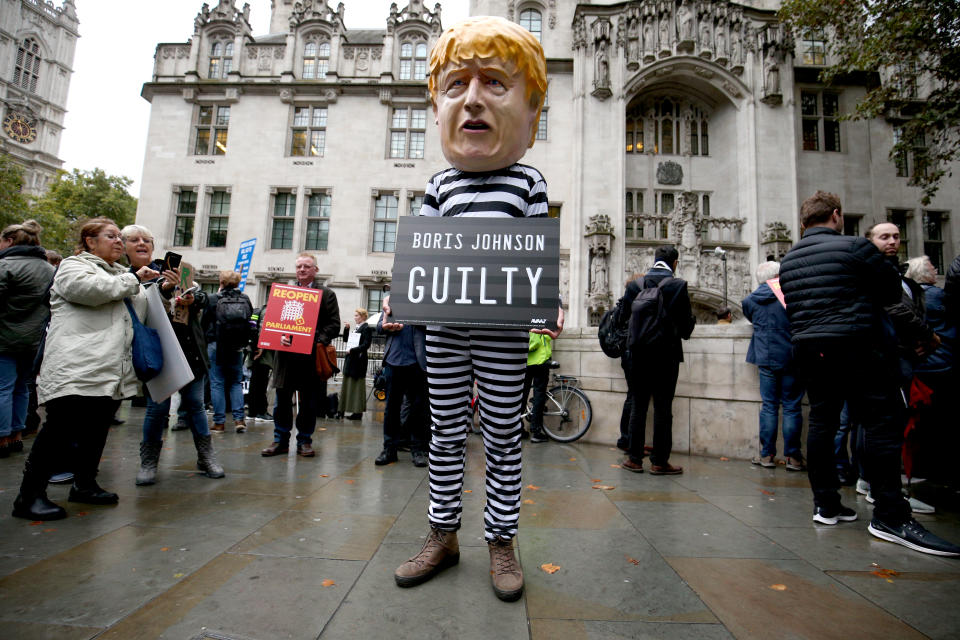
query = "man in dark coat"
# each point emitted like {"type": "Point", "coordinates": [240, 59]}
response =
{"type": "Point", "coordinates": [297, 372]}
{"type": "Point", "coordinates": [836, 287]}
{"type": "Point", "coordinates": [655, 370]}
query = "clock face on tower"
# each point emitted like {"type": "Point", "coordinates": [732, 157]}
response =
{"type": "Point", "coordinates": [20, 127]}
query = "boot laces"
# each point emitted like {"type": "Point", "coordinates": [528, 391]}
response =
{"type": "Point", "coordinates": [429, 546]}
{"type": "Point", "coordinates": [504, 559]}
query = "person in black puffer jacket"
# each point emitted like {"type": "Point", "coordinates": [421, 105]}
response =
{"type": "Point", "coordinates": [25, 277]}
{"type": "Point", "coordinates": [836, 287]}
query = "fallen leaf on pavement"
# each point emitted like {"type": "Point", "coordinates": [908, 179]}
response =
{"type": "Point", "coordinates": [573, 459]}
{"type": "Point", "coordinates": [49, 530]}
{"type": "Point", "coordinates": [724, 459]}
{"type": "Point", "coordinates": [324, 475]}
{"type": "Point", "coordinates": [778, 587]}
{"type": "Point", "coordinates": [595, 479]}
{"type": "Point", "coordinates": [178, 575]}
{"type": "Point", "coordinates": [351, 481]}
{"type": "Point", "coordinates": [328, 583]}
{"type": "Point", "coordinates": [550, 568]}
{"type": "Point", "coordinates": [164, 548]}
{"type": "Point", "coordinates": [529, 501]}
{"type": "Point", "coordinates": [532, 487]}
{"type": "Point", "coordinates": [80, 514]}
{"type": "Point", "coordinates": [633, 561]}
{"type": "Point", "coordinates": [605, 487]}
{"type": "Point", "coordinates": [768, 493]}
{"type": "Point", "coordinates": [322, 429]}
{"type": "Point", "coordinates": [468, 490]}
{"type": "Point", "coordinates": [614, 466]}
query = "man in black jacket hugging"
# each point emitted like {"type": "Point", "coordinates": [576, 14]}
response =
{"type": "Point", "coordinates": [836, 287]}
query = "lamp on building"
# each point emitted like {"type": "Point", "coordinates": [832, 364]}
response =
{"type": "Point", "coordinates": [723, 258]}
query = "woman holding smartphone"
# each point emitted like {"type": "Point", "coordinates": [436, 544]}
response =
{"type": "Point", "coordinates": [138, 243]}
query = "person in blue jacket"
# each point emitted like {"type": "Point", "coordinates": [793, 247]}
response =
{"type": "Point", "coordinates": [771, 350]}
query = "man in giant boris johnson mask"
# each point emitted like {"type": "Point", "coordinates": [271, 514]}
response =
{"type": "Point", "coordinates": [487, 82]}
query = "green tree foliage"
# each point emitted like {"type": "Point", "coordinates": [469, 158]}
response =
{"type": "Point", "coordinates": [72, 198]}
{"type": "Point", "coordinates": [14, 205]}
{"type": "Point", "coordinates": [915, 45]}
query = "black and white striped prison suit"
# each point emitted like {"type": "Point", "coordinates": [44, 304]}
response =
{"type": "Point", "coordinates": [497, 358]}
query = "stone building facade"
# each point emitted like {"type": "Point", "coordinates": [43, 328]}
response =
{"type": "Point", "coordinates": [694, 122]}
{"type": "Point", "coordinates": [37, 44]}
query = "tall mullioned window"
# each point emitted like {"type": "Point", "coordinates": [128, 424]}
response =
{"type": "Point", "coordinates": [820, 113]}
{"type": "Point", "coordinates": [413, 61]}
{"type": "Point", "coordinates": [26, 71]}
{"type": "Point", "coordinates": [407, 132]}
{"type": "Point", "coordinates": [316, 60]}
{"type": "Point", "coordinates": [933, 238]}
{"type": "Point", "coordinates": [219, 218]}
{"type": "Point", "coordinates": [318, 222]}
{"type": "Point", "coordinates": [308, 135]}
{"type": "Point", "coordinates": [385, 223]}
{"type": "Point", "coordinates": [284, 214]}
{"type": "Point", "coordinates": [900, 218]}
{"type": "Point", "coordinates": [213, 122]}
{"type": "Point", "coordinates": [532, 21]}
{"type": "Point", "coordinates": [814, 47]}
{"type": "Point", "coordinates": [221, 59]}
{"type": "Point", "coordinates": [185, 218]}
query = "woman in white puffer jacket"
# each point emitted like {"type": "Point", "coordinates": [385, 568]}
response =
{"type": "Point", "coordinates": [87, 367]}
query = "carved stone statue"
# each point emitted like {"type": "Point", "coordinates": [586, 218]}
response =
{"type": "Point", "coordinates": [603, 66]}
{"type": "Point", "coordinates": [633, 42]}
{"type": "Point", "coordinates": [665, 28]}
{"type": "Point", "coordinates": [649, 44]}
{"type": "Point", "coordinates": [599, 283]}
{"type": "Point", "coordinates": [685, 18]}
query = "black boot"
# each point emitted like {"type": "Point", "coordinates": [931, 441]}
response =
{"type": "Point", "coordinates": [207, 457]}
{"type": "Point", "coordinates": [91, 493]}
{"type": "Point", "coordinates": [32, 502]}
{"type": "Point", "coordinates": [149, 458]}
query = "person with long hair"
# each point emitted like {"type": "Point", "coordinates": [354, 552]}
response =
{"type": "Point", "coordinates": [87, 367]}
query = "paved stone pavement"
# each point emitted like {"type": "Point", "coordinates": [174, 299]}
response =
{"type": "Point", "coordinates": [300, 548]}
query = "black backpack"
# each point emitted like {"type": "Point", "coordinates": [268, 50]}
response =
{"type": "Point", "coordinates": [649, 323]}
{"type": "Point", "coordinates": [612, 332]}
{"type": "Point", "coordinates": [233, 320]}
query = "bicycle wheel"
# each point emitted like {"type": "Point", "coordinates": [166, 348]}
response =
{"type": "Point", "coordinates": [567, 414]}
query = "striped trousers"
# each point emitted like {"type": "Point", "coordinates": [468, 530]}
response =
{"type": "Point", "coordinates": [497, 359]}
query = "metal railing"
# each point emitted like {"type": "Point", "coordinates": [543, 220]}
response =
{"type": "Point", "coordinates": [374, 356]}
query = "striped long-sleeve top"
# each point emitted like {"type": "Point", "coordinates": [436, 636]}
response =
{"type": "Point", "coordinates": [516, 191]}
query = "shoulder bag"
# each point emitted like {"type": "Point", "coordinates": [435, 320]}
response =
{"type": "Point", "coordinates": [147, 350]}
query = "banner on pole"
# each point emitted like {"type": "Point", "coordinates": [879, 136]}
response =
{"type": "Point", "coordinates": [291, 311]}
{"type": "Point", "coordinates": [244, 258]}
{"type": "Point", "coordinates": [484, 272]}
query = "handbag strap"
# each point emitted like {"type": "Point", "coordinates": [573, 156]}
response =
{"type": "Point", "coordinates": [133, 316]}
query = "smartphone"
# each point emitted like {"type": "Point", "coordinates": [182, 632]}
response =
{"type": "Point", "coordinates": [171, 260]}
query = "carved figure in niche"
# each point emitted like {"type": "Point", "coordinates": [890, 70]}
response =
{"type": "Point", "coordinates": [685, 17]}
{"type": "Point", "coordinates": [665, 26]}
{"type": "Point", "coordinates": [705, 31]}
{"type": "Point", "coordinates": [598, 272]}
{"type": "Point", "coordinates": [736, 44]}
{"type": "Point", "coordinates": [684, 219]}
{"type": "Point", "coordinates": [603, 65]}
{"type": "Point", "coordinates": [633, 44]}
{"type": "Point", "coordinates": [771, 72]}
{"type": "Point", "coordinates": [649, 46]}
{"type": "Point", "coordinates": [721, 46]}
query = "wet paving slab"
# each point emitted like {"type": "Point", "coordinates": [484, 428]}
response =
{"type": "Point", "coordinates": [293, 547]}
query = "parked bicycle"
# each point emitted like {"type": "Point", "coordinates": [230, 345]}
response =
{"type": "Point", "coordinates": [567, 413]}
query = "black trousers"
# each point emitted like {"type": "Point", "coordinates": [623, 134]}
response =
{"type": "Point", "coordinates": [867, 378]}
{"type": "Point", "coordinates": [658, 382]}
{"type": "Point", "coordinates": [80, 421]}
{"type": "Point", "coordinates": [536, 378]}
{"type": "Point", "coordinates": [623, 442]}
{"type": "Point", "coordinates": [257, 396]}
{"type": "Point", "coordinates": [407, 382]}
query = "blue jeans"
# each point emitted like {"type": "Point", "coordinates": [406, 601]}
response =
{"type": "Point", "coordinates": [15, 373]}
{"type": "Point", "coordinates": [191, 401]}
{"type": "Point", "coordinates": [780, 388]}
{"type": "Point", "coordinates": [230, 374]}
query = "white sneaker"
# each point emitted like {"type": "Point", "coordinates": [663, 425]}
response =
{"type": "Point", "coordinates": [863, 487]}
{"type": "Point", "coordinates": [920, 507]}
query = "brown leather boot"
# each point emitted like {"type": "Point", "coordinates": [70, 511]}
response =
{"type": "Point", "coordinates": [505, 572]}
{"type": "Point", "coordinates": [441, 550]}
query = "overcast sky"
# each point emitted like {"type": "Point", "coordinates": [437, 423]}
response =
{"type": "Point", "coordinates": [106, 122]}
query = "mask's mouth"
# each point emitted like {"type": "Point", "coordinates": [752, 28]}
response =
{"type": "Point", "coordinates": [476, 125]}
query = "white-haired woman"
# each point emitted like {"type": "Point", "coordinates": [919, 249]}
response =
{"type": "Point", "coordinates": [138, 243]}
{"type": "Point", "coordinates": [771, 350]}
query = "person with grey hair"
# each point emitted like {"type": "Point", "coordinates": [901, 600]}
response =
{"type": "Point", "coordinates": [934, 438]}
{"type": "Point", "coordinates": [771, 350]}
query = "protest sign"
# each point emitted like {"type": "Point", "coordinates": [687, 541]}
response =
{"type": "Point", "coordinates": [176, 372]}
{"type": "Point", "coordinates": [244, 258]}
{"type": "Point", "coordinates": [291, 311]}
{"type": "Point", "coordinates": [774, 284]}
{"type": "Point", "coordinates": [484, 272]}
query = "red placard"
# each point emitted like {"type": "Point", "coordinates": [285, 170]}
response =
{"type": "Point", "coordinates": [291, 311]}
{"type": "Point", "coordinates": [774, 284]}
